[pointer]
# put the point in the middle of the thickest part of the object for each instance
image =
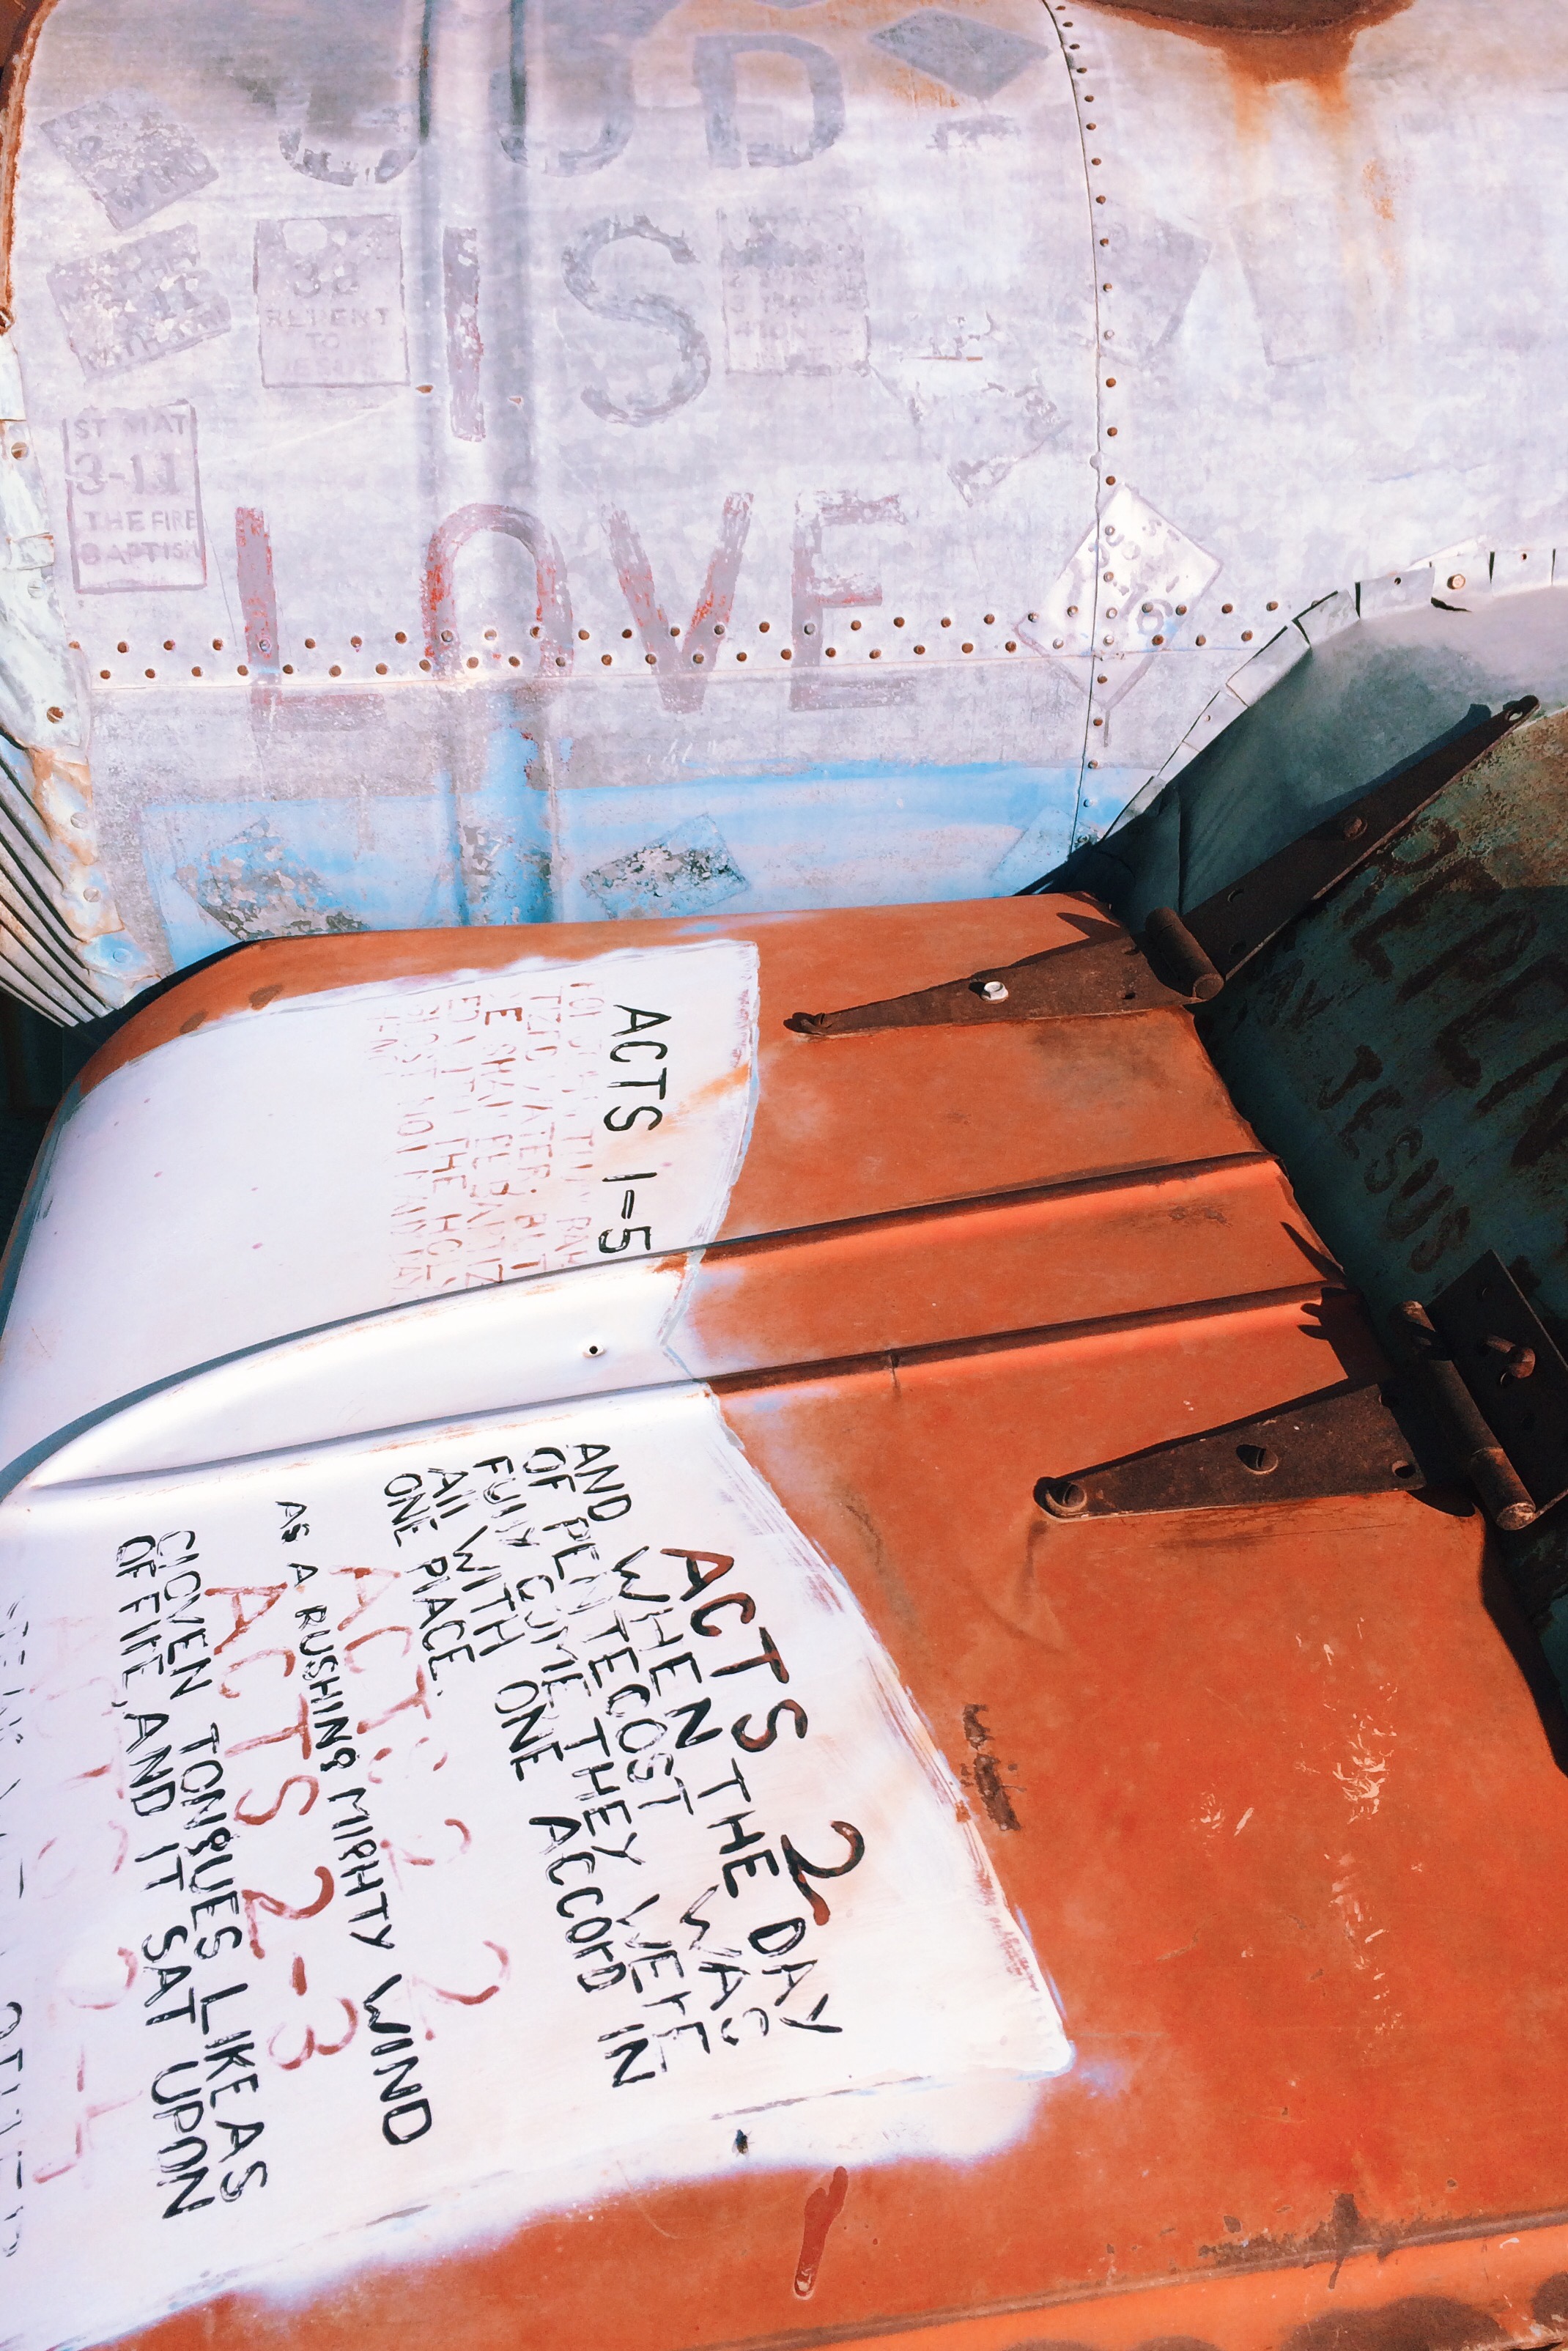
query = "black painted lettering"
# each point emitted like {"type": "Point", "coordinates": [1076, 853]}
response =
{"type": "Point", "coordinates": [804, 1871]}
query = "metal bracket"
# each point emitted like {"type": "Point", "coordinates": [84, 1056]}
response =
{"type": "Point", "coordinates": [1342, 1440]}
{"type": "Point", "coordinates": [1105, 971]}
{"type": "Point", "coordinates": [1497, 1384]}
{"type": "Point", "coordinates": [1492, 1379]}
{"type": "Point", "coordinates": [1179, 959]}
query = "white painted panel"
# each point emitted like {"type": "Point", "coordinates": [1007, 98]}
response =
{"type": "Point", "coordinates": [418, 1677]}
{"type": "Point", "coordinates": [332, 1154]}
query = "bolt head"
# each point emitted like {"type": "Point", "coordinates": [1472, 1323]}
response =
{"type": "Point", "coordinates": [1063, 1498]}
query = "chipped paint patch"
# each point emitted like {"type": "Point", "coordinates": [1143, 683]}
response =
{"type": "Point", "coordinates": [254, 869]}
{"type": "Point", "coordinates": [687, 873]}
{"type": "Point", "coordinates": [138, 302]}
{"type": "Point", "coordinates": [1365, 1768]}
{"type": "Point", "coordinates": [254, 890]}
{"type": "Point", "coordinates": [134, 155]}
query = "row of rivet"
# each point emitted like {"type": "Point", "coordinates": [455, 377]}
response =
{"type": "Point", "coordinates": [1108, 431]}
{"type": "Point", "coordinates": [585, 636]}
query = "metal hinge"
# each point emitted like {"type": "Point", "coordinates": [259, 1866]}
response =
{"type": "Point", "coordinates": [1485, 1395]}
{"type": "Point", "coordinates": [1179, 959]}
{"type": "Point", "coordinates": [1495, 1385]}
{"type": "Point", "coordinates": [1340, 1440]}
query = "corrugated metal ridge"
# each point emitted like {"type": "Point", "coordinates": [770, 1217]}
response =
{"type": "Point", "coordinates": [1238, 2273]}
{"type": "Point", "coordinates": [1040, 1334]}
{"type": "Point", "coordinates": [1141, 1174]}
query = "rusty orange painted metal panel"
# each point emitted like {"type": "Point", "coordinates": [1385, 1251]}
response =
{"type": "Point", "coordinates": [1266, 1790]}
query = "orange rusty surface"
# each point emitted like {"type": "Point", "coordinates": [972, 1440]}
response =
{"type": "Point", "coordinates": [850, 1125]}
{"type": "Point", "coordinates": [866, 1124]}
{"type": "Point", "coordinates": [804, 949]}
{"type": "Point", "coordinates": [1281, 1816]}
{"type": "Point", "coordinates": [964, 1274]}
{"type": "Point", "coordinates": [21, 22]}
{"type": "Point", "coordinates": [1268, 1786]}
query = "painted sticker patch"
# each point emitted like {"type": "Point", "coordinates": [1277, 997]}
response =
{"type": "Point", "coordinates": [138, 302]}
{"type": "Point", "coordinates": [795, 299]}
{"type": "Point", "coordinates": [362, 1789]}
{"type": "Point", "coordinates": [134, 499]}
{"type": "Point", "coordinates": [545, 1121]}
{"type": "Point", "coordinates": [132, 153]}
{"type": "Point", "coordinates": [687, 873]}
{"type": "Point", "coordinates": [329, 296]}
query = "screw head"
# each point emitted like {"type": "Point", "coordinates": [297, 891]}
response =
{"type": "Point", "coordinates": [1261, 1459]}
{"type": "Point", "coordinates": [994, 991]}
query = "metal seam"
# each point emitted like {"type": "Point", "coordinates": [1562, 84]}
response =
{"type": "Point", "coordinates": [1099, 426]}
{"type": "Point", "coordinates": [1133, 1177]}
{"type": "Point", "coordinates": [717, 1385]}
{"type": "Point", "coordinates": [877, 1361]}
{"type": "Point", "coordinates": [870, 2330]}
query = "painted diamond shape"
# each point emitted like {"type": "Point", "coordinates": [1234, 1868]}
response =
{"type": "Point", "coordinates": [976, 58]}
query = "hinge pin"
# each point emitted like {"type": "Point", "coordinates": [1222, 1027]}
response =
{"type": "Point", "coordinates": [1177, 955]}
{"type": "Point", "coordinates": [1473, 1441]}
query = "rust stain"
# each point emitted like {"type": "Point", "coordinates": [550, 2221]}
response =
{"type": "Point", "coordinates": [1407, 2324]}
{"type": "Point", "coordinates": [986, 1771]}
{"type": "Point", "coordinates": [1378, 183]}
{"type": "Point", "coordinates": [21, 21]}
{"type": "Point", "coordinates": [1263, 43]}
{"type": "Point", "coordinates": [1419, 2322]}
{"type": "Point", "coordinates": [822, 2209]}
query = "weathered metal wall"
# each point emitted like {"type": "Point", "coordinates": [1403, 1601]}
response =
{"type": "Point", "coordinates": [598, 457]}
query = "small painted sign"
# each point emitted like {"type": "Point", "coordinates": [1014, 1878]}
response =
{"type": "Point", "coordinates": [329, 299]}
{"type": "Point", "coordinates": [132, 153]}
{"type": "Point", "coordinates": [138, 302]}
{"type": "Point", "coordinates": [133, 498]}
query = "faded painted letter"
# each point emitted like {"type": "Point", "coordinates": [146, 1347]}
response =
{"type": "Point", "coordinates": [693, 366]}
{"type": "Point", "coordinates": [552, 616]}
{"type": "Point", "coordinates": [682, 667]}
{"type": "Point", "coordinates": [714, 56]}
{"type": "Point", "coordinates": [817, 593]}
